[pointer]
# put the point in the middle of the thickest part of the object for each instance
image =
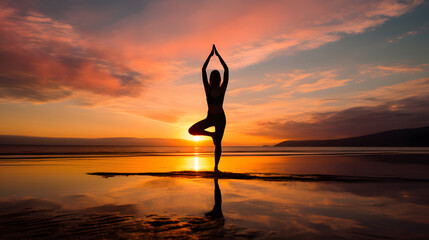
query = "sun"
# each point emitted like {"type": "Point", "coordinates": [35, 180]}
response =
{"type": "Point", "coordinates": [196, 138]}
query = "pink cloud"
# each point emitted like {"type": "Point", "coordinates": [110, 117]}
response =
{"type": "Point", "coordinates": [167, 37]}
{"type": "Point", "coordinates": [43, 59]}
{"type": "Point", "coordinates": [246, 32]}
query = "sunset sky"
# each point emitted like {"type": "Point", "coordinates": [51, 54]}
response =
{"type": "Point", "coordinates": [308, 69]}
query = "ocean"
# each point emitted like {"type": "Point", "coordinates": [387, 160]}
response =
{"type": "Point", "coordinates": [111, 192]}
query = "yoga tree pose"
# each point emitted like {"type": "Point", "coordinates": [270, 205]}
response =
{"type": "Point", "coordinates": [215, 93]}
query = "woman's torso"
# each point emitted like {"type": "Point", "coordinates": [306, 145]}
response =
{"type": "Point", "coordinates": [215, 101]}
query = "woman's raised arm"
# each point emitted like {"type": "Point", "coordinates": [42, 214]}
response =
{"type": "Point", "coordinates": [225, 71]}
{"type": "Point", "coordinates": [205, 81]}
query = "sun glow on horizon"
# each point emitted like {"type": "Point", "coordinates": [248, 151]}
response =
{"type": "Point", "coordinates": [196, 138]}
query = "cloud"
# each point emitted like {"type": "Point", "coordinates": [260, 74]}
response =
{"type": "Point", "coordinates": [412, 88]}
{"type": "Point", "coordinates": [323, 82]}
{"type": "Point", "coordinates": [254, 88]}
{"type": "Point", "coordinates": [318, 28]}
{"type": "Point", "coordinates": [284, 85]}
{"type": "Point", "coordinates": [401, 105]}
{"type": "Point", "coordinates": [96, 52]}
{"type": "Point", "coordinates": [403, 113]}
{"type": "Point", "coordinates": [409, 33]}
{"type": "Point", "coordinates": [308, 80]}
{"type": "Point", "coordinates": [42, 59]}
{"type": "Point", "coordinates": [402, 36]}
{"type": "Point", "coordinates": [386, 70]}
{"type": "Point", "coordinates": [249, 32]}
{"type": "Point", "coordinates": [53, 59]}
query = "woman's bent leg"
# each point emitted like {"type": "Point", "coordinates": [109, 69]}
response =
{"type": "Point", "coordinates": [199, 128]}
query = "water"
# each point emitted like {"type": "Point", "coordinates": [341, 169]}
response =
{"type": "Point", "coordinates": [45, 192]}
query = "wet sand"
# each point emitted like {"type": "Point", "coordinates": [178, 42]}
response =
{"type": "Point", "coordinates": [262, 176]}
{"type": "Point", "coordinates": [34, 218]}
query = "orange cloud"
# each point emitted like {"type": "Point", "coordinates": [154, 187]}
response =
{"type": "Point", "coordinates": [412, 88]}
{"type": "Point", "coordinates": [304, 81]}
{"type": "Point", "coordinates": [383, 70]}
{"type": "Point", "coordinates": [255, 88]}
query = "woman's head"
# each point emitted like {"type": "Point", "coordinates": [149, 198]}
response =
{"type": "Point", "coordinates": [215, 78]}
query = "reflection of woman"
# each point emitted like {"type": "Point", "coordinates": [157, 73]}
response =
{"type": "Point", "coordinates": [217, 208]}
{"type": "Point", "coordinates": [215, 93]}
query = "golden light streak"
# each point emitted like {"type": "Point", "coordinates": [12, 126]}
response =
{"type": "Point", "coordinates": [196, 163]}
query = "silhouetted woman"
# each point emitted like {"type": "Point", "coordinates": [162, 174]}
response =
{"type": "Point", "coordinates": [215, 93]}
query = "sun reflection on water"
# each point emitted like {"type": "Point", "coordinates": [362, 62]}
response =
{"type": "Point", "coordinates": [196, 163]}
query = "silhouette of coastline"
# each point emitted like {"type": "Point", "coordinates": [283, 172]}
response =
{"type": "Point", "coordinates": [415, 137]}
{"type": "Point", "coordinates": [262, 176]}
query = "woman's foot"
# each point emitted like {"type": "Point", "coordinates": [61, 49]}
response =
{"type": "Point", "coordinates": [213, 214]}
{"type": "Point", "coordinates": [217, 171]}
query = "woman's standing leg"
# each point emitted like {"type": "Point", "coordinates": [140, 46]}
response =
{"type": "Point", "coordinates": [219, 130]}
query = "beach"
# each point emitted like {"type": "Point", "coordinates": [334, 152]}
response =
{"type": "Point", "coordinates": [304, 193]}
{"type": "Point", "coordinates": [214, 119]}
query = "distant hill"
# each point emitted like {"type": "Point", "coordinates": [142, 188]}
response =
{"type": "Point", "coordinates": [118, 141]}
{"type": "Point", "coordinates": [416, 137]}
